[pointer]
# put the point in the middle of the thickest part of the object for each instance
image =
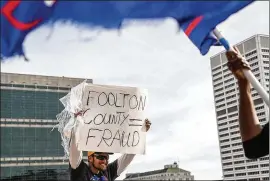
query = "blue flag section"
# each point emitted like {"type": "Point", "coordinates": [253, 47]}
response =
{"type": "Point", "coordinates": [196, 18]}
{"type": "Point", "coordinates": [18, 18]}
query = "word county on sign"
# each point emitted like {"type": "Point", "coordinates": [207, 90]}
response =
{"type": "Point", "coordinates": [113, 119]}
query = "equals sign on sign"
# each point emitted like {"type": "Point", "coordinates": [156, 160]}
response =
{"type": "Point", "coordinates": [135, 122]}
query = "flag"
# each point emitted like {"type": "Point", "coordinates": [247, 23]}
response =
{"type": "Point", "coordinates": [18, 19]}
{"type": "Point", "coordinates": [196, 18]}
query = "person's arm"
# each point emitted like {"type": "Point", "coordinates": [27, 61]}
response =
{"type": "Point", "coordinates": [75, 156]}
{"type": "Point", "coordinates": [118, 166]}
{"type": "Point", "coordinates": [248, 120]}
{"type": "Point", "coordinates": [123, 162]}
{"type": "Point", "coordinates": [251, 131]}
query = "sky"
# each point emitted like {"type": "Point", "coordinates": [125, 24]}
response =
{"type": "Point", "coordinates": [161, 59]}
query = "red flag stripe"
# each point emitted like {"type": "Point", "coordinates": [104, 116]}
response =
{"type": "Point", "coordinates": [193, 25]}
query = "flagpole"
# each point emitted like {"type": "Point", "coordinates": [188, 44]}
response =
{"type": "Point", "coordinates": [249, 75]}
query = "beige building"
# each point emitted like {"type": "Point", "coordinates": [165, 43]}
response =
{"type": "Point", "coordinates": [169, 172]}
{"type": "Point", "coordinates": [235, 165]}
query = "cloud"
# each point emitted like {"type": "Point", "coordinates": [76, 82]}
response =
{"type": "Point", "coordinates": [158, 58]}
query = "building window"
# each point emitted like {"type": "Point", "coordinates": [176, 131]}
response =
{"type": "Point", "coordinates": [251, 53]}
{"type": "Point", "coordinates": [253, 64]}
{"type": "Point", "coordinates": [233, 115]}
{"type": "Point", "coordinates": [230, 85]}
{"type": "Point", "coordinates": [224, 141]}
{"type": "Point", "coordinates": [222, 118]}
{"type": "Point", "coordinates": [255, 94]}
{"type": "Point", "coordinates": [225, 69]}
{"type": "Point", "coordinates": [227, 75]}
{"type": "Point", "coordinates": [235, 132]}
{"type": "Point", "coordinates": [222, 105]}
{"type": "Point", "coordinates": [238, 150]}
{"type": "Point", "coordinates": [219, 95]}
{"type": "Point", "coordinates": [252, 166]}
{"type": "Point", "coordinates": [255, 70]}
{"type": "Point", "coordinates": [235, 126]}
{"type": "Point", "coordinates": [222, 124]}
{"type": "Point", "coordinates": [254, 179]}
{"type": "Point", "coordinates": [229, 97]}
{"type": "Point", "coordinates": [228, 169]}
{"type": "Point", "coordinates": [238, 156]}
{"type": "Point", "coordinates": [259, 108]}
{"type": "Point", "coordinates": [233, 121]}
{"type": "Point", "coordinates": [257, 75]}
{"type": "Point", "coordinates": [217, 74]}
{"type": "Point", "coordinates": [265, 50]}
{"type": "Point", "coordinates": [231, 102]}
{"type": "Point", "coordinates": [262, 120]}
{"type": "Point", "coordinates": [236, 138]}
{"type": "Point", "coordinates": [218, 90]}
{"type": "Point", "coordinates": [258, 101]}
{"type": "Point", "coordinates": [217, 68]}
{"type": "Point", "coordinates": [226, 158]}
{"type": "Point", "coordinates": [264, 165]}
{"type": "Point", "coordinates": [252, 58]}
{"type": "Point", "coordinates": [253, 160]}
{"type": "Point", "coordinates": [223, 135]}
{"type": "Point", "coordinates": [240, 174]}
{"type": "Point", "coordinates": [225, 152]}
{"type": "Point", "coordinates": [217, 79]}
{"type": "Point", "coordinates": [219, 84]}
{"type": "Point", "coordinates": [229, 163]}
{"type": "Point", "coordinates": [253, 173]}
{"type": "Point", "coordinates": [236, 144]}
{"type": "Point", "coordinates": [228, 175]}
{"type": "Point", "coordinates": [230, 91]}
{"type": "Point", "coordinates": [225, 146]}
{"type": "Point", "coordinates": [261, 114]}
{"type": "Point", "coordinates": [229, 80]}
{"type": "Point", "coordinates": [240, 168]}
{"type": "Point", "coordinates": [221, 112]}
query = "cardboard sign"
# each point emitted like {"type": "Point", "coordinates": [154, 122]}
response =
{"type": "Point", "coordinates": [113, 119]}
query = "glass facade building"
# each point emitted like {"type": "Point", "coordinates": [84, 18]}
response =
{"type": "Point", "coordinates": [30, 148]}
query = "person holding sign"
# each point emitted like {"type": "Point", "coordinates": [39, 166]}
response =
{"type": "Point", "coordinates": [254, 137]}
{"type": "Point", "coordinates": [98, 168]}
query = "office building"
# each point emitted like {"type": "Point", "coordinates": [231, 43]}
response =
{"type": "Point", "coordinates": [30, 150]}
{"type": "Point", "coordinates": [169, 172]}
{"type": "Point", "coordinates": [235, 165]}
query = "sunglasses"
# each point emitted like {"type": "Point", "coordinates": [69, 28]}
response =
{"type": "Point", "coordinates": [102, 157]}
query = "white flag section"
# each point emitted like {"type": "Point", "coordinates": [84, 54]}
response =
{"type": "Point", "coordinates": [113, 119]}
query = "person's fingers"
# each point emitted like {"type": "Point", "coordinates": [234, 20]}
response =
{"type": "Point", "coordinates": [236, 49]}
{"type": "Point", "coordinates": [231, 54]}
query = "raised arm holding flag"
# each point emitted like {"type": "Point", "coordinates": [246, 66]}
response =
{"type": "Point", "coordinates": [254, 137]}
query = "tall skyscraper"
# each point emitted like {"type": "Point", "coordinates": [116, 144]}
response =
{"type": "Point", "coordinates": [30, 150]}
{"type": "Point", "coordinates": [226, 95]}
